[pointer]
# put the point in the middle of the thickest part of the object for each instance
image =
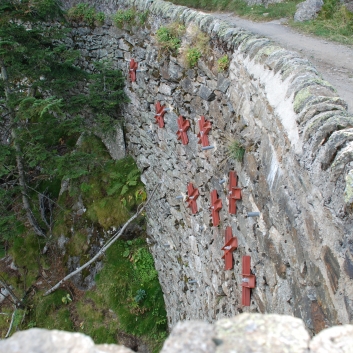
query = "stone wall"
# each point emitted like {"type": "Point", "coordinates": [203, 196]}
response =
{"type": "Point", "coordinates": [242, 334]}
{"type": "Point", "coordinates": [295, 172]}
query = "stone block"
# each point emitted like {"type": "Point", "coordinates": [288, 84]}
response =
{"type": "Point", "coordinates": [206, 93]}
{"type": "Point", "coordinates": [332, 268]}
{"type": "Point", "coordinates": [222, 83]}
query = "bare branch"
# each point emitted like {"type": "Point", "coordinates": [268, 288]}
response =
{"type": "Point", "coordinates": [45, 196]}
{"type": "Point", "coordinates": [110, 242]}
{"type": "Point", "coordinates": [15, 300]}
{"type": "Point", "coordinates": [11, 323]}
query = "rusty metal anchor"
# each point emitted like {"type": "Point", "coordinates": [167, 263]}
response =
{"type": "Point", "coordinates": [248, 281]}
{"type": "Point", "coordinates": [160, 111]}
{"type": "Point", "coordinates": [216, 205]}
{"type": "Point", "coordinates": [132, 70]}
{"type": "Point", "coordinates": [183, 125]}
{"type": "Point", "coordinates": [205, 127]}
{"type": "Point", "coordinates": [234, 192]}
{"type": "Point", "coordinates": [193, 194]}
{"type": "Point", "coordinates": [231, 243]}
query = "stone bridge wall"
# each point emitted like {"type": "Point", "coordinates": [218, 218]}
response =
{"type": "Point", "coordinates": [297, 135]}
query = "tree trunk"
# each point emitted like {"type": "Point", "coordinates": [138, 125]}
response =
{"type": "Point", "coordinates": [20, 168]}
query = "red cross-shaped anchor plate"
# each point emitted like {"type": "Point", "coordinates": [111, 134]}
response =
{"type": "Point", "coordinates": [234, 192]}
{"type": "Point", "coordinates": [193, 194]}
{"type": "Point", "coordinates": [248, 281]}
{"type": "Point", "coordinates": [216, 205]}
{"type": "Point", "coordinates": [230, 245]}
{"type": "Point", "coordinates": [160, 114]}
{"type": "Point", "coordinates": [205, 127]}
{"type": "Point", "coordinates": [183, 125]}
{"type": "Point", "coordinates": [132, 70]}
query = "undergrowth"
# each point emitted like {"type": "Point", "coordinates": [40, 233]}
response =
{"type": "Point", "coordinates": [129, 17]}
{"type": "Point", "coordinates": [195, 46]}
{"type": "Point", "coordinates": [334, 22]}
{"type": "Point", "coordinates": [169, 37]}
{"type": "Point", "coordinates": [127, 297]}
{"type": "Point", "coordinates": [223, 63]}
{"type": "Point", "coordinates": [85, 13]}
{"type": "Point", "coordinates": [128, 284]}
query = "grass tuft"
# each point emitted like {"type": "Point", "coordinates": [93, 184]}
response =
{"type": "Point", "coordinates": [236, 150]}
{"type": "Point", "coordinates": [223, 63]}
{"type": "Point", "coordinates": [169, 37]}
{"type": "Point", "coordinates": [85, 13]}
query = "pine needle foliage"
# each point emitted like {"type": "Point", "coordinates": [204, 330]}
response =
{"type": "Point", "coordinates": [45, 108]}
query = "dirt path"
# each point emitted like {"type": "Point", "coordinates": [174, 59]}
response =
{"type": "Point", "coordinates": [333, 61]}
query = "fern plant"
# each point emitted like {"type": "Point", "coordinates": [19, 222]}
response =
{"type": "Point", "coordinates": [123, 183]}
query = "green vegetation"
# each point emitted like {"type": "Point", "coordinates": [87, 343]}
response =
{"type": "Point", "coordinates": [195, 46]}
{"type": "Point", "coordinates": [169, 37]}
{"type": "Point", "coordinates": [50, 312]}
{"type": "Point", "coordinates": [85, 13]}
{"type": "Point", "coordinates": [128, 283]}
{"type": "Point", "coordinates": [334, 21]}
{"type": "Point", "coordinates": [51, 142]}
{"type": "Point", "coordinates": [47, 119]}
{"type": "Point", "coordinates": [192, 56]}
{"type": "Point", "coordinates": [240, 7]}
{"type": "Point", "coordinates": [124, 16]}
{"type": "Point", "coordinates": [25, 252]}
{"type": "Point", "coordinates": [236, 150]}
{"type": "Point", "coordinates": [223, 63]}
{"type": "Point", "coordinates": [129, 17]}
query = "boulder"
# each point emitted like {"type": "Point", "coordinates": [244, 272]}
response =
{"type": "Point", "coordinates": [308, 10]}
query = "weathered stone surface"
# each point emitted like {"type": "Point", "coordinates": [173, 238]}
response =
{"type": "Point", "coordinates": [337, 339]}
{"type": "Point", "coordinates": [242, 334]}
{"type": "Point", "coordinates": [261, 333]}
{"type": "Point", "coordinates": [222, 83]}
{"type": "Point", "coordinates": [165, 89]}
{"type": "Point", "coordinates": [348, 264]}
{"type": "Point", "coordinates": [190, 336]}
{"type": "Point", "coordinates": [308, 10]}
{"type": "Point", "coordinates": [298, 150]}
{"type": "Point", "coordinates": [38, 340]}
{"type": "Point", "coordinates": [348, 191]}
{"type": "Point", "coordinates": [206, 93]}
{"type": "Point", "coordinates": [332, 267]}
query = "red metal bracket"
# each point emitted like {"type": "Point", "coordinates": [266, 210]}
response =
{"type": "Point", "coordinates": [183, 125]}
{"type": "Point", "coordinates": [230, 245]}
{"type": "Point", "coordinates": [132, 70]}
{"type": "Point", "coordinates": [205, 127]}
{"type": "Point", "coordinates": [247, 282]}
{"type": "Point", "coordinates": [216, 205]}
{"type": "Point", "coordinates": [193, 194]}
{"type": "Point", "coordinates": [160, 111]}
{"type": "Point", "coordinates": [234, 193]}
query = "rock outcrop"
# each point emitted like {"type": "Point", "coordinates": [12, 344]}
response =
{"type": "Point", "coordinates": [308, 10]}
{"type": "Point", "coordinates": [242, 334]}
{"type": "Point", "coordinates": [298, 145]}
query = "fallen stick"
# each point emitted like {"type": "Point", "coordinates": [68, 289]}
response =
{"type": "Point", "coordinates": [11, 323]}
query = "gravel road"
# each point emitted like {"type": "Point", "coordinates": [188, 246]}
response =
{"type": "Point", "coordinates": [333, 61]}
